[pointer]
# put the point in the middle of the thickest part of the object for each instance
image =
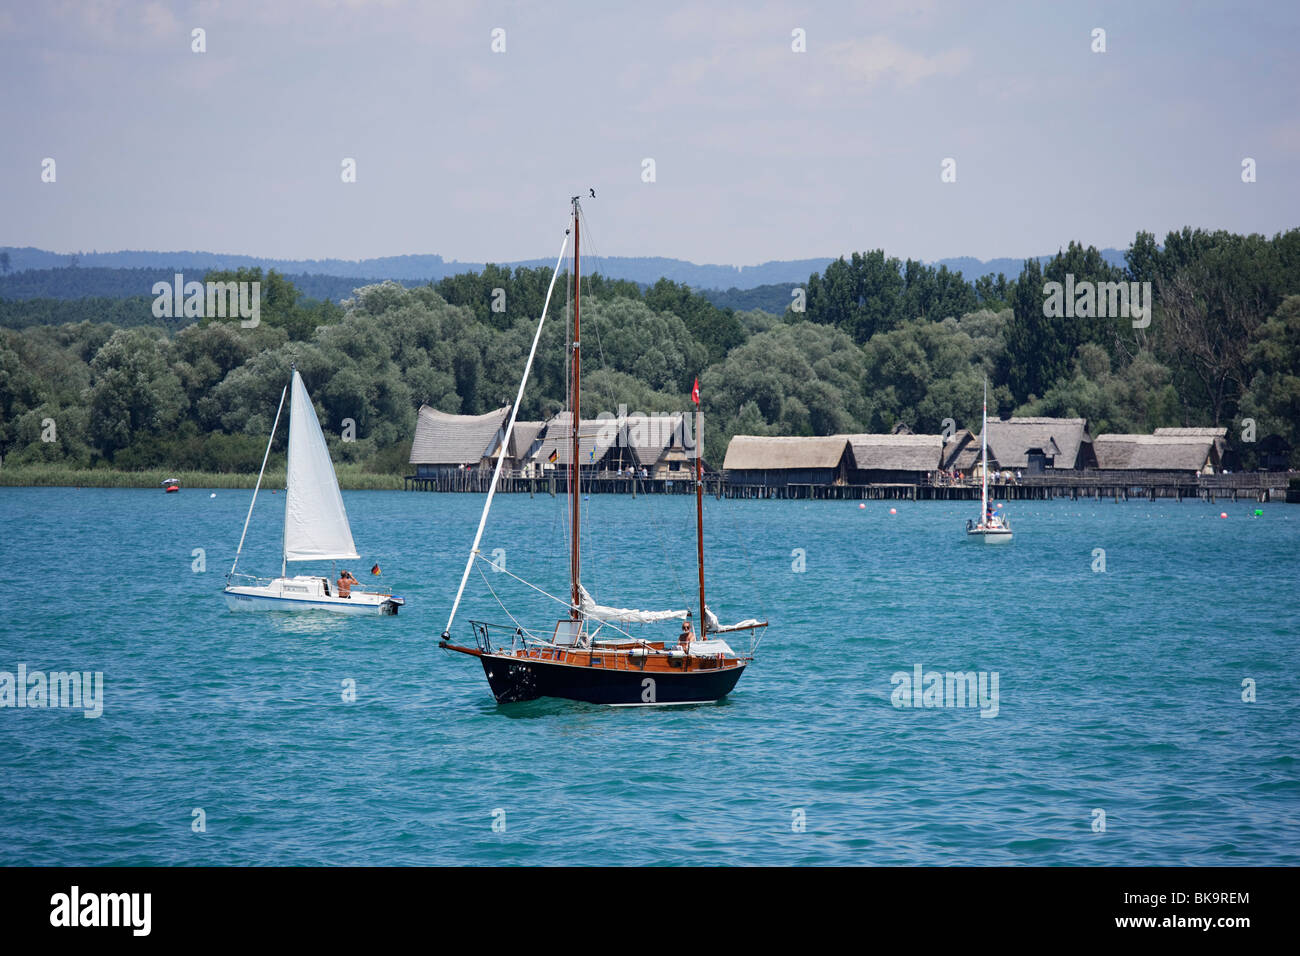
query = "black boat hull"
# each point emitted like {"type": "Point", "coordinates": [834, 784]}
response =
{"type": "Point", "coordinates": [513, 680]}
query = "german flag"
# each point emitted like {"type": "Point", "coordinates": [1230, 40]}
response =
{"type": "Point", "coordinates": [555, 456]}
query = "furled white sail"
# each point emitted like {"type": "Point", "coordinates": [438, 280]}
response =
{"type": "Point", "coordinates": [711, 625]}
{"type": "Point", "coordinates": [315, 524]}
{"type": "Point", "coordinates": [624, 614]}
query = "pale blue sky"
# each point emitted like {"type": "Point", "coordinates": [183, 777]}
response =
{"type": "Point", "coordinates": [761, 153]}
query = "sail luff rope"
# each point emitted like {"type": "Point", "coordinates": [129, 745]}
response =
{"type": "Point", "coordinates": [505, 441]}
{"type": "Point", "coordinates": [261, 471]}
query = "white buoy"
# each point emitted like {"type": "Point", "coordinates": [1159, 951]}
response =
{"type": "Point", "coordinates": [213, 495]}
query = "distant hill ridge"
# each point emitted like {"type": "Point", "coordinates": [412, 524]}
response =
{"type": "Point", "coordinates": [423, 268]}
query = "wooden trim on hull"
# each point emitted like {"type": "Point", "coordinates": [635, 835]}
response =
{"type": "Point", "coordinates": [571, 675]}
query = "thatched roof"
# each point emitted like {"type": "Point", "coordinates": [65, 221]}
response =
{"type": "Point", "coordinates": [957, 449]}
{"type": "Point", "coordinates": [1153, 452]}
{"type": "Point", "coordinates": [522, 439]}
{"type": "Point", "coordinates": [650, 435]}
{"type": "Point", "coordinates": [896, 452]}
{"type": "Point", "coordinates": [593, 433]}
{"type": "Point", "coordinates": [445, 439]}
{"type": "Point", "coordinates": [761, 453]}
{"type": "Point", "coordinates": [1059, 437]}
{"type": "Point", "coordinates": [1192, 432]}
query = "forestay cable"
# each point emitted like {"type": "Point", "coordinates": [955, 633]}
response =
{"type": "Point", "coordinates": [258, 486]}
{"type": "Point", "coordinates": [505, 441]}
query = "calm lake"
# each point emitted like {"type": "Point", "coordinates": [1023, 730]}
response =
{"type": "Point", "coordinates": [1123, 638]}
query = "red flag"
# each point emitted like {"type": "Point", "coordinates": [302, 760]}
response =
{"type": "Point", "coordinates": [695, 392]}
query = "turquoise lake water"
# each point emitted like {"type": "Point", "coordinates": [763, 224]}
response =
{"type": "Point", "coordinates": [1118, 690]}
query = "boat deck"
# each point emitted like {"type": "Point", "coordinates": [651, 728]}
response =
{"type": "Point", "coordinates": [649, 657]}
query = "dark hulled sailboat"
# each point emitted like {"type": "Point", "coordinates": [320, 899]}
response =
{"type": "Point", "coordinates": [571, 659]}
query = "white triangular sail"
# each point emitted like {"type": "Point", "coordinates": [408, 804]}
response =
{"type": "Point", "coordinates": [315, 524]}
{"type": "Point", "coordinates": [624, 614]}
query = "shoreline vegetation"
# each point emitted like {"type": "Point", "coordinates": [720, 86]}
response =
{"type": "Point", "coordinates": [53, 476]}
{"type": "Point", "coordinates": [867, 345]}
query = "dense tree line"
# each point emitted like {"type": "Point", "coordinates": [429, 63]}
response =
{"type": "Point", "coordinates": [878, 342]}
{"type": "Point", "coordinates": [85, 284]}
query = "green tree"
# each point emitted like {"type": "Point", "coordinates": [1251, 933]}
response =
{"type": "Point", "coordinates": [1273, 398]}
{"type": "Point", "coordinates": [132, 390]}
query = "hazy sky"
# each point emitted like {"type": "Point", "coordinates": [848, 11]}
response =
{"type": "Point", "coordinates": [760, 152]}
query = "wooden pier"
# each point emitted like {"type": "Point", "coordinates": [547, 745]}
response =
{"type": "Point", "coordinates": [1121, 486]}
{"type": "Point", "coordinates": [558, 484]}
{"type": "Point", "coordinates": [1113, 486]}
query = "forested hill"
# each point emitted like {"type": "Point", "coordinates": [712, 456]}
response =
{"type": "Point", "coordinates": [873, 342]}
{"type": "Point", "coordinates": [49, 275]}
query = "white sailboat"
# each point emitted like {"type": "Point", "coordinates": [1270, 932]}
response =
{"type": "Point", "coordinates": [991, 527]}
{"type": "Point", "coordinates": [315, 527]}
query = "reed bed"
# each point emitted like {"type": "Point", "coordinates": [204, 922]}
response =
{"type": "Point", "coordinates": [351, 478]}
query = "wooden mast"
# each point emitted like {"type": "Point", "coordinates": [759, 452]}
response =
{"type": "Point", "coordinates": [575, 403]}
{"type": "Point", "coordinates": [699, 508]}
{"type": "Point", "coordinates": [984, 457]}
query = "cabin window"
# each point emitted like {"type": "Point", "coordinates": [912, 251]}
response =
{"type": "Point", "coordinates": [567, 632]}
{"type": "Point", "coordinates": [674, 466]}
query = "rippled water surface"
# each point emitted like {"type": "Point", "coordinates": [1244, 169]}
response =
{"type": "Point", "coordinates": [1118, 691]}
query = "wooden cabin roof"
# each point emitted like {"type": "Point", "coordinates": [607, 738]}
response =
{"type": "Point", "coordinates": [896, 452]}
{"type": "Point", "coordinates": [764, 453]}
{"type": "Point", "coordinates": [1014, 438]}
{"type": "Point", "coordinates": [445, 439]}
{"type": "Point", "coordinates": [1153, 452]}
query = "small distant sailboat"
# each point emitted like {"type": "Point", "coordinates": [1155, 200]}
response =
{"type": "Point", "coordinates": [586, 656]}
{"type": "Point", "coordinates": [991, 528]}
{"type": "Point", "coordinates": [315, 527]}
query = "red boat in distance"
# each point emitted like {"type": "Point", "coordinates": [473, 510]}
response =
{"type": "Point", "coordinates": [171, 484]}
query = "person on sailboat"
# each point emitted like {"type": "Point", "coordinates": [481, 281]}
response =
{"type": "Point", "coordinates": [344, 584]}
{"type": "Point", "coordinates": [688, 635]}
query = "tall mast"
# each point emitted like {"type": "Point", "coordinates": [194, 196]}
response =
{"type": "Point", "coordinates": [575, 405]}
{"type": "Point", "coordinates": [699, 508]}
{"type": "Point", "coordinates": [984, 455]}
{"type": "Point", "coordinates": [284, 530]}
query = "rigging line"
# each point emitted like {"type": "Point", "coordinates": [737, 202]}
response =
{"type": "Point", "coordinates": [568, 396]}
{"type": "Point", "coordinates": [749, 564]}
{"type": "Point", "coordinates": [507, 571]}
{"type": "Point", "coordinates": [594, 255]}
{"type": "Point", "coordinates": [505, 441]}
{"type": "Point", "coordinates": [557, 600]}
{"type": "Point", "coordinates": [663, 546]}
{"type": "Point", "coordinates": [260, 472]}
{"type": "Point", "coordinates": [523, 630]}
